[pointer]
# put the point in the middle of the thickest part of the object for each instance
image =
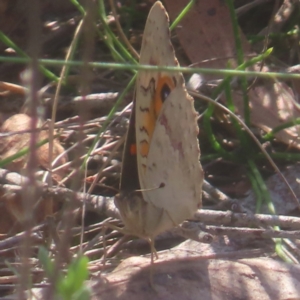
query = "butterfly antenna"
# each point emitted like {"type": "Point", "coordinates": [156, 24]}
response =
{"type": "Point", "coordinates": [152, 189]}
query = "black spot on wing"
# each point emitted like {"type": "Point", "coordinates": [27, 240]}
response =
{"type": "Point", "coordinates": [165, 92]}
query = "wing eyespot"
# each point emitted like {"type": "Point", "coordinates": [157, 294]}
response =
{"type": "Point", "coordinates": [165, 92]}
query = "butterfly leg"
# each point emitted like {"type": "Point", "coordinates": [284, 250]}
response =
{"type": "Point", "coordinates": [153, 252]}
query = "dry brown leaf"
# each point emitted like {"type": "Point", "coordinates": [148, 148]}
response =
{"type": "Point", "coordinates": [206, 33]}
{"type": "Point", "coordinates": [186, 277]}
{"type": "Point", "coordinates": [11, 211]}
{"type": "Point", "coordinates": [3, 6]}
{"type": "Point", "coordinates": [12, 144]}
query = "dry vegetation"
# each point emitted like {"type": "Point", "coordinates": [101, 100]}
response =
{"type": "Point", "coordinates": [79, 111]}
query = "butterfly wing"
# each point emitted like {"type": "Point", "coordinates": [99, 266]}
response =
{"type": "Point", "coordinates": [173, 161]}
{"type": "Point", "coordinates": [169, 170]}
{"type": "Point", "coordinates": [129, 176]}
{"type": "Point", "coordinates": [156, 50]}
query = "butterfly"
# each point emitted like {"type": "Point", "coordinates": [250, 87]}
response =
{"type": "Point", "coordinates": [161, 178]}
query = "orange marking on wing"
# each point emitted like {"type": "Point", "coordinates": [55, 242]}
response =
{"type": "Point", "coordinates": [144, 148]}
{"type": "Point", "coordinates": [152, 113]}
{"type": "Point", "coordinates": [132, 149]}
